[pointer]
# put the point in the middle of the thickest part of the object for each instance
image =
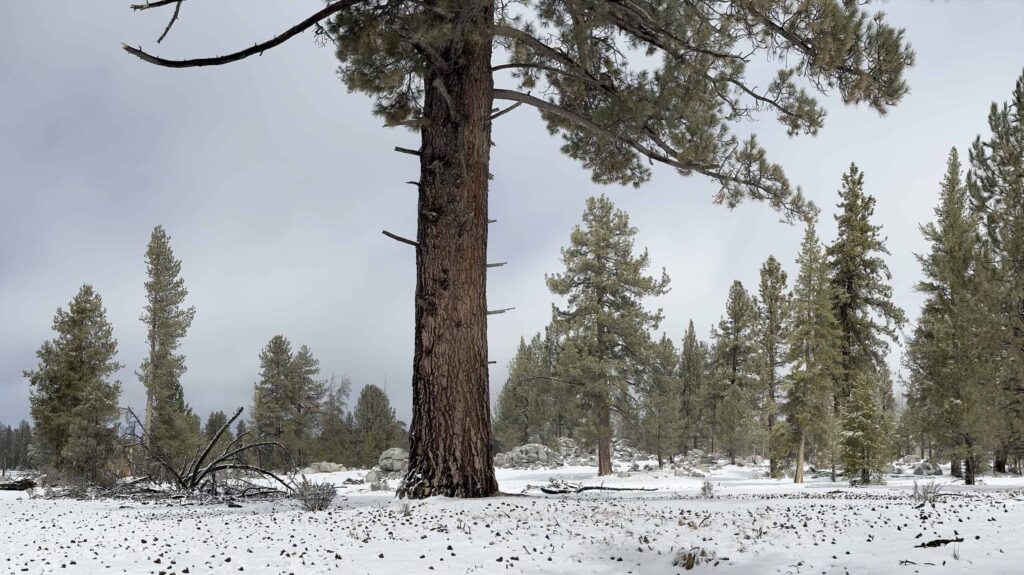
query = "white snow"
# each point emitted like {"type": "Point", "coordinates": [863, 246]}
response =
{"type": "Point", "coordinates": [753, 525]}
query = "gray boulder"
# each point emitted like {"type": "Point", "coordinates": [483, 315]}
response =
{"type": "Point", "coordinates": [927, 468]}
{"type": "Point", "coordinates": [393, 460]}
{"type": "Point", "coordinates": [323, 467]}
{"type": "Point", "coordinates": [373, 476]}
{"type": "Point", "coordinates": [529, 456]}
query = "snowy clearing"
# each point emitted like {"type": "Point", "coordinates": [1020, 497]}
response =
{"type": "Point", "coordinates": [753, 525]}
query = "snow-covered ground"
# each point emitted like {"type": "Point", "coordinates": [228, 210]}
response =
{"type": "Point", "coordinates": [752, 525]}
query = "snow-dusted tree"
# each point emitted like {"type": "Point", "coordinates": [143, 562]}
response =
{"type": "Point", "coordinates": [813, 343]}
{"type": "Point", "coordinates": [866, 429]}
{"type": "Point", "coordinates": [535, 405]}
{"type": "Point", "coordinates": [604, 323]}
{"type": "Point", "coordinates": [306, 392]}
{"type": "Point", "coordinates": [336, 434]}
{"type": "Point", "coordinates": [862, 296]}
{"type": "Point", "coordinates": [997, 190]}
{"type": "Point", "coordinates": [659, 394]}
{"type": "Point", "coordinates": [735, 375]}
{"type": "Point", "coordinates": [948, 354]}
{"type": "Point", "coordinates": [214, 422]}
{"type": "Point", "coordinates": [693, 366]}
{"type": "Point", "coordinates": [624, 83]}
{"type": "Point", "coordinates": [286, 400]}
{"type": "Point", "coordinates": [168, 419]}
{"type": "Point", "coordinates": [376, 427]}
{"type": "Point", "coordinates": [770, 334]}
{"type": "Point", "coordinates": [74, 403]}
{"type": "Point", "coordinates": [15, 443]}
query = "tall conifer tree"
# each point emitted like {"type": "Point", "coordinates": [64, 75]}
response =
{"type": "Point", "coordinates": [735, 371]}
{"type": "Point", "coordinates": [862, 300]}
{"type": "Point", "coordinates": [813, 342]}
{"type": "Point", "coordinates": [604, 323]}
{"type": "Point", "coordinates": [693, 378]}
{"type": "Point", "coordinates": [997, 191]}
{"type": "Point", "coordinates": [659, 397]}
{"type": "Point", "coordinates": [169, 420]}
{"type": "Point", "coordinates": [376, 427]}
{"type": "Point", "coordinates": [773, 309]}
{"type": "Point", "coordinates": [947, 352]}
{"type": "Point", "coordinates": [74, 402]}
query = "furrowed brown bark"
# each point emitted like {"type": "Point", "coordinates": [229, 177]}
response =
{"type": "Point", "coordinates": [604, 436]}
{"type": "Point", "coordinates": [450, 435]}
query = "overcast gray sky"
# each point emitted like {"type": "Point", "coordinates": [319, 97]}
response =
{"type": "Point", "coordinates": [274, 184]}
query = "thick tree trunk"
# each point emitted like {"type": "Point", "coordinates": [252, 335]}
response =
{"type": "Point", "coordinates": [450, 435]}
{"type": "Point", "coordinates": [970, 469]}
{"type": "Point", "coordinates": [955, 468]}
{"type": "Point", "coordinates": [798, 476]}
{"type": "Point", "coordinates": [999, 466]}
{"type": "Point", "coordinates": [604, 437]}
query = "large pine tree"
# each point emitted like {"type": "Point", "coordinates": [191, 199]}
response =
{"type": "Point", "coordinates": [862, 300]}
{"type": "Point", "coordinates": [813, 343]}
{"type": "Point", "coordinates": [535, 405]}
{"type": "Point", "coordinates": [604, 323]}
{"type": "Point", "coordinates": [659, 398]}
{"type": "Point", "coordinates": [772, 312]}
{"type": "Point", "coordinates": [286, 401]}
{"type": "Point", "coordinates": [169, 420]}
{"type": "Point", "coordinates": [376, 427]}
{"type": "Point", "coordinates": [736, 363]}
{"type": "Point", "coordinates": [949, 350]}
{"type": "Point", "coordinates": [693, 378]}
{"type": "Point", "coordinates": [336, 440]}
{"type": "Point", "coordinates": [432, 68]}
{"type": "Point", "coordinates": [997, 190]}
{"type": "Point", "coordinates": [74, 402]}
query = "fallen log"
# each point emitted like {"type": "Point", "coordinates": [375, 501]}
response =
{"type": "Point", "coordinates": [19, 485]}
{"type": "Point", "coordinates": [940, 542]}
{"type": "Point", "coordinates": [572, 489]}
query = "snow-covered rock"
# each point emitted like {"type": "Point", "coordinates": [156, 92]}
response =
{"type": "Point", "coordinates": [529, 456]}
{"type": "Point", "coordinates": [373, 476]}
{"type": "Point", "coordinates": [393, 460]}
{"type": "Point", "coordinates": [323, 467]}
{"type": "Point", "coordinates": [927, 468]}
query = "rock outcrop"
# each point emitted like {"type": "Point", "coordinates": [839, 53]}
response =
{"type": "Point", "coordinates": [393, 460]}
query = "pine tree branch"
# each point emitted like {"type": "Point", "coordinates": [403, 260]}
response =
{"type": "Point", "coordinates": [174, 18]}
{"type": "Point", "coordinates": [156, 4]}
{"type": "Point", "coordinates": [255, 50]}
{"type": "Point", "coordinates": [400, 239]}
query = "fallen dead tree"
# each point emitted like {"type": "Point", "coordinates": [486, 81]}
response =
{"type": "Point", "coordinates": [23, 484]}
{"type": "Point", "coordinates": [198, 474]}
{"type": "Point", "coordinates": [560, 487]}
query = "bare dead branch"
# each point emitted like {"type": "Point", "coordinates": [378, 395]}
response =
{"type": "Point", "coordinates": [496, 264]}
{"type": "Point", "coordinates": [497, 311]}
{"type": "Point", "coordinates": [400, 239]}
{"type": "Point", "coordinates": [407, 151]}
{"type": "Point", "coordinates": [497, 115]}
{"type": "Point", "coordinates": [155, 4]}
{"type": "Point", "coordinates": [257, 49]}
{"type": "Point", "coordinates": [174, 18]}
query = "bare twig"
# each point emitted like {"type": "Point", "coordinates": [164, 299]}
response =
{"type": "Point", "coordinates": [398, 238]}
